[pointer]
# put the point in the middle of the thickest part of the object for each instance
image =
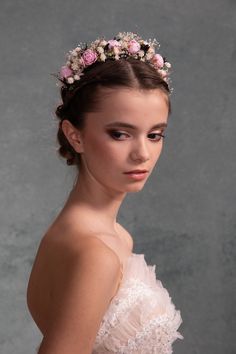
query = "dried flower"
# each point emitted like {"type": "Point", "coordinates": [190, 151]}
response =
{"type": "Point", "coordinates": [123, 45]}
{"type": "Point", "coordinates": [65, 72]}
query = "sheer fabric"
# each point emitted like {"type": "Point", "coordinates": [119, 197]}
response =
{"type": "Point", "coordinates": [141, 317]}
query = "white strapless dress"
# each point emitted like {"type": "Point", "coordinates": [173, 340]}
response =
{"type": "Point", "coordinates": [141, 317]}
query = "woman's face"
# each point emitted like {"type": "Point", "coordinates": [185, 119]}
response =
{"type": "Point", "coordinates": [110, 149]}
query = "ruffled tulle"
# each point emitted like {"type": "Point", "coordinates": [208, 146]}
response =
{"type": "Point", "coordinates": [141, 317]}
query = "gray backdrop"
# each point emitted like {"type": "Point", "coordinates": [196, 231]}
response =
{"type": "Point", "coordinates": [184, 219]}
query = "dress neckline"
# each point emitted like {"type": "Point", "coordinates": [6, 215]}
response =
{"type": "Point", "coordinates": [131, 255]}
{"type": "Point", "coordinates": [123, 265]}
{"type": "Point", "coordinates": [123, 268]}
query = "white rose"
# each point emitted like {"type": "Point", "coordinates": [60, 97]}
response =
{"type": "Point", "coordinates": [141, 53]}
{"type": "Point", "coordinates": [70, 80]}
{"type": "Point", "coordinates": [103, 42]}
{"type": "Point", "coordinates": [100, 50]}
{"type": "Point", "coordinates": [103, 57]}
{"type": "Point", "coordinates": [116, 50]}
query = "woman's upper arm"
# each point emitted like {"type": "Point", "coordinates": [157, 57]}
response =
{"type": "Point", "coordinates": [86, 287]}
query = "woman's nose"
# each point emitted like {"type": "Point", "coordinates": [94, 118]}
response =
{"type": "Point", "coordinates": [140, 151]}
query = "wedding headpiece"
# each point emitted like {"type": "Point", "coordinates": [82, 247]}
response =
{"type": "Point", "coordinates": [123, 45]}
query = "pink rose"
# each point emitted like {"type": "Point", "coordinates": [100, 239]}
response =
{"type": "Point", "coordinates": [133, 46]}
{"type": "Point", "coordinates": [65, 72]}
{"type": "Point", "coordinates": [89, 57]}
{"type": "Point", "coordinates": [158, 60]}
{"type": "Point", "coordinates": [113, 43]}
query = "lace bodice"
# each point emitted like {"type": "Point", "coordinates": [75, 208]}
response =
{"type": "Point", "coordinates": [141, 317]}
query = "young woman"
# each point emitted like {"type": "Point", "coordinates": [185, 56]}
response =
{"type": "Point", "coordinates": [88, 291]}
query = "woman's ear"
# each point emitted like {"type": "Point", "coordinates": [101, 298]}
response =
{"type": "Point", "coordinates": [73, 135]}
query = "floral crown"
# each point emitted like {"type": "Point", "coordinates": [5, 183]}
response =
{"type": "Point", "coordinates": [123, 45]}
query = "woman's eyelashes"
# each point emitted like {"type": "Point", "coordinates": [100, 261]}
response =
{"type": "Point", "coordinates": [115, 134]}
{"type": "Point", "coordinates": [159, 135]}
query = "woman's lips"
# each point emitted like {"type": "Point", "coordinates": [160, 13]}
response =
{"type": "Point", "coordinates": [136, 175]}
{"type": "Point", "coordinates": [136, 171]}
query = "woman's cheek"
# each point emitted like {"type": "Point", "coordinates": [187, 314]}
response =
{"type": "Point", "coordinates": [103, 154]}
{"type": "Point", "coordinates": [157, 155]}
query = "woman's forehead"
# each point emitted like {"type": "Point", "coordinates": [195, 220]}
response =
{"type": "Point", "coordinates": [127, 99]}
{"type": "Point", "coordinates": [133, 110]}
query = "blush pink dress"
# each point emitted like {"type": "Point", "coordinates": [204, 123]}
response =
{"type": "Point", "coordinates": [141, 317]}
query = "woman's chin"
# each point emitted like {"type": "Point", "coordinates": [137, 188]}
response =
{"type": "Point", "coordinates": [135, 187]}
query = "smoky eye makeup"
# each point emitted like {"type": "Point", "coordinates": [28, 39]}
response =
{"type": "Point", "coordinates": [117, 135]}
{"type": "Point", "coordinates": [161, 135]}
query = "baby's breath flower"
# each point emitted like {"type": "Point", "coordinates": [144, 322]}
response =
{"type": "Point", "coordinates": [74, 53]}
{"type": "Point", "coordinates": [74, 65]}
{"type": "Point", "coordinates": [149, 56]}
{"type": "Point", "coordinates": [81, 62]}
{"type": "Point", "coordinates": [122, 46]}
{"type": "Point", "coordinates": [167, 64]}
{"type": "Point", "coordinates": [151, 50]}
{"type": "Point", "coordinates": [162, 72]}
{"type": "Point", "coordinates": [95, 43]}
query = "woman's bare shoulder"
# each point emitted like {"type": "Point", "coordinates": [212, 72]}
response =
{"type": "Point", "coordinates": [70, 248]}
{"type": "Point", "coordinates": [81, 270]}
{"type": "Point", "coordinates": [80, 250]}
{"type": "Point", "coordinates": [57, 252]}
{"type": "Point", "coordinates": [60, 246]}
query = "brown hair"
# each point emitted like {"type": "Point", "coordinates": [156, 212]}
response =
{"type": "Point", "coordinates": [84, 98]}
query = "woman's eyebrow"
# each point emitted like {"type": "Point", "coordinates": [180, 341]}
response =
{"type": "Point", "coordinates": [127, 125]}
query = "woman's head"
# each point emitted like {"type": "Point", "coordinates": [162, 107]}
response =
{"type": "Point", "coordinates": [95, 96]}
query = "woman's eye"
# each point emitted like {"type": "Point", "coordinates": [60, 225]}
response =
{"type": "Point", "coordinates": [115, 134]}
{"type": "Point", "coordinates": [159, 136]}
